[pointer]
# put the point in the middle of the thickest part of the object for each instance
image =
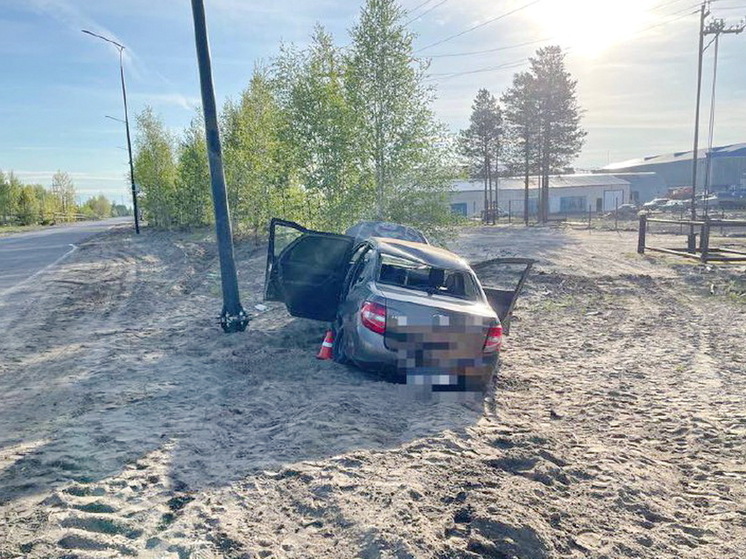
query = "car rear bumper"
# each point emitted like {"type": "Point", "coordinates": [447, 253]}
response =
{"type": "Point", "coordinates": [370, 353]}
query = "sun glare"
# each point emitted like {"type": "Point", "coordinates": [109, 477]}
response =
{"type": "Point", "coordinates": [589, 27]}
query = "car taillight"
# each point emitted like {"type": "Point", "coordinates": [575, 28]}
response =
{"type": "Point", "coordinates": [373, 317]}
{"type": "Point", "coordinates": [494, 339]}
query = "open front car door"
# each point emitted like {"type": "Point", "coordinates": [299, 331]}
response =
{"type": "Point", "coordinates": [502, 280]}
{"type": "Point", "coordinates": [306, 269]}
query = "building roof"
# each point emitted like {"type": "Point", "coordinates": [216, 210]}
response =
{"type": "Point", "coordinates": [642, 180]}
{"type": "Point", "coordinates": [555, 181]}
{"type": "Point", "coordinates": [732, 150]}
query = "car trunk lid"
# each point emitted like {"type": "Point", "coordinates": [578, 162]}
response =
{"type": "Point", "coordinates": [434, 333]}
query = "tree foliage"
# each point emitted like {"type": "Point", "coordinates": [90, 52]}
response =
{"type": "Point", "coordinates": [543, 121]}
{"type": "Point", "coordinates": [521, 119]}
{"type": "Point", "coordinates": [193, 204]}
{"type": "Point", "coordinates": [97, 207]}
{"type": "Point", "coordinates": [33, 204]}
{"type": "Point", "coordinates": [323, 135]}
{"type": "Point", "coordinates": [399, 138]}
{"type": "Point", "coordinates": [256, 173]}
{"type": "Point", "coordinates": [481, 142]}
{"type": "Point", "coordinates": [155, 170]}
{"type": "Point", "coordinates": [321, 130]}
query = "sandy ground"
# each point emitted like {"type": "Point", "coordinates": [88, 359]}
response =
{"type": "Point", "coordinates": [131, 426]}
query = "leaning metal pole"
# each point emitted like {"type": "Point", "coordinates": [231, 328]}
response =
{"type": "Point", "coordinates": [700, 51]}
{"type": "Point", "coordinates": [233, 317]}
{"type": "Point", "coordinates": [711, 131]}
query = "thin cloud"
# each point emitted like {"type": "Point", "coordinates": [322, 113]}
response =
{"type": "Point", "coordinates": [186, 102]}
{"type": "Point", "coordinates": [38, 176]}
{"type": "Point", "coordinates": [76, 20]}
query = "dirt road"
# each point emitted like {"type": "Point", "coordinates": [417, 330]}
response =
{"type": "Point", "coordinates": [130, 426]}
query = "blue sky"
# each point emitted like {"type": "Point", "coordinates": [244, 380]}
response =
{"type": "Point", "coordinates": [635, 62]}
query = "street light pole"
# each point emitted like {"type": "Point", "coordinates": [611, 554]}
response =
{"type": "Point", "coordinates": [120, 48]}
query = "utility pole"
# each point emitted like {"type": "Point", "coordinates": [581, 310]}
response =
{"type": "Point", "coordinates": [717, 27]}
{"type": "Point", "coordinates": [233, 318]}
{"type": "Point", "coordinates": [120, 48]}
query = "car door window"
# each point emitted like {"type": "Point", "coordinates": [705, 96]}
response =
{"type": "Point", "coordinates": [502, 280]}
{"type": "Point", "coordinates": [358, 265]}
{"type": "Point", "coordinates": [307, 274]}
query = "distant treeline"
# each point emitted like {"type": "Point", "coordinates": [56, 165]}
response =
{"type": "Point", "coordinates": [34, 204]}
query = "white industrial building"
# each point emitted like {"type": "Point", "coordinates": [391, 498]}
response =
{"type": "Point", "coordinates": [568, 194]}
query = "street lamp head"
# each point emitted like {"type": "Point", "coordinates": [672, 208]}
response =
{"type": "Point", "coordinates": [91, 33]}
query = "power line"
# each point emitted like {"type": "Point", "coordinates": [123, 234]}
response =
{"type": "Point", "coordinates": [418, 6]}
{"type": "Point", "coordinates": [506, 65]}
{"type": "Point", "coordinates": [425, 12]}
{"type": "Point", "coordinates": [508, 47]}
{"type": "Point", "coordinates": [665, 4]}
{"type": "Point", "coordinates": [688, 13]}
{"type": "Point", "coordinates": [517, 63]}
{"type": "Point", "coordinates": [487, 22]}
{"type": "Point", "coordinates": [517, 45]}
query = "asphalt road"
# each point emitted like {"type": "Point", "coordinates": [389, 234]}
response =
{"type": "Point", "coordinates": [24, 254]}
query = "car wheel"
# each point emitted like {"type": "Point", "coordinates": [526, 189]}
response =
{"type": "Point", "coordinates": [338, 352]}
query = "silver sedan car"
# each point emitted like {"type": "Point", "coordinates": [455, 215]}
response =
{"type": "Point", "coordinates": [398, 306]}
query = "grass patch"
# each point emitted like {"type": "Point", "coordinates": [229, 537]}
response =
{"type": "Point", "coordinates": [735, 290]}
{"type": "Point", "coordinates": [10, 229]}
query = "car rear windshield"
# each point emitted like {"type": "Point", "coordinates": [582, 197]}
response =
{"type": "Point", "coordinates": [422, 277]}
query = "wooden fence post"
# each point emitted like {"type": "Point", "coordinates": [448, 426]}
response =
{"type": "Point", "coordinates": [641, 234]}
{"type": "Point", "coordinates": [616, 214]}
{"type": "Point", "coordinates": [704, 241]}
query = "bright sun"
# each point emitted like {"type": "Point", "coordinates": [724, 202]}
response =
{"type": "Point", "coordinates": [589, 27]}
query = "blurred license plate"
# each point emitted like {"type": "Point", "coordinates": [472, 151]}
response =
{"type": "Point", "coordinates": [432, 380]}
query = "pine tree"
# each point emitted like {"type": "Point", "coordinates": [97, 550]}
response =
{"type": "Point", "coordinates": [521, 117]}
{"type": "Point", "coordinates": [481, 142]}
{"type": "Point", "coordinates": [560, 135]}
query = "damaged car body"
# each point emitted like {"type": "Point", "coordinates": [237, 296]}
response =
{"type": "Point", "coordinates": [397, 306]}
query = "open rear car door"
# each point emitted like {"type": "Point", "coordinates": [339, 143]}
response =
{"type": "Point", "coordinates": [305, 269]}
{"type": "Point", "coordinates": [502, 280]}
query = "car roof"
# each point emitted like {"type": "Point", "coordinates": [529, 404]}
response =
{"type": "Point", "coordinates": [366, 229]}
{"type": "Point", "coordinates": [420, 252]}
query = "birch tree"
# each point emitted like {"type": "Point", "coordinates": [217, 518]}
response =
{"type": "Point", "coordinates": [398, 138]}
{"type": "Point", "coordinates": [155, 169]}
